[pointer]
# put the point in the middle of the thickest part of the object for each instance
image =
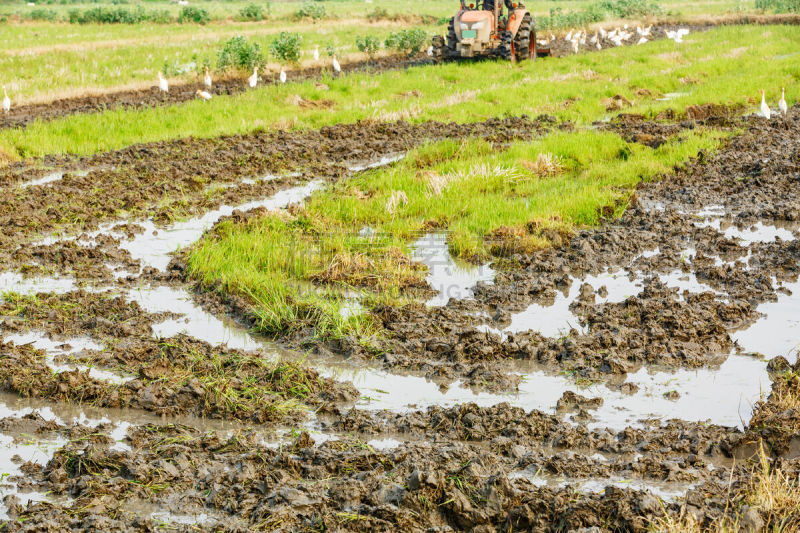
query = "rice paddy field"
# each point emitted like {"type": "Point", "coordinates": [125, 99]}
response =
{"type": "Point", "coordinates": [281, 266]}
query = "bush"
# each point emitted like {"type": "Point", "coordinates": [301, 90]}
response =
{"type": "Point", "coordinates": [43, 14]}
{"type": "Point", "coordinates": [108, 15]}
{"type": "Point", "coordinates": [252, 12]}
{"type": "Point", "coordinates": [313, 10]}
{"type": "Point", "coordinates": [160, 16]}
{"type": "Point", "coordinates": [559, 19]}
{"type": "Point", "coordinates": [380, 13]}
{"type": "Point", "coordinates": [239, 53]}
{"type": "Point", "coordinates": [628, 8]}
{"type": "Point", "coordinates": [779, 6]}
{"type": "Point", "coordinates": [409, 41]}
{"type": "Point", "coordinates": [198, 15]}
{"type": "Point", "coordinates": [286, 47]}
{"type": "Point", "coordinates": [368, 45]}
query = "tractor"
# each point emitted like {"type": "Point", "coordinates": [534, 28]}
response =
{"type": "Point", "coordinates": [483, 30]}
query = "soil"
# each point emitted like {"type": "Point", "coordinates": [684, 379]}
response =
{"type": "Point", "coordinates": [305, 451]}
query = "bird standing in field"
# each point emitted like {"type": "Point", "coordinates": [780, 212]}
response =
{"type": "Point", "coordinates": [784, 109]}
{"type": "Point", "coordinates": [642, 41]}
{"type": "Point", "coordinates": [6, 101]}
{"type": "Point", "coordinates": [765, 111]}
{"type": "Point", "coordinates": [207, 79]}
{"type": "Point", "coordinates": [253, 80]}
{"type": "Point", "coordinates": [316, 53]}
{"type": "Point", "coordinates": [205, 95]}
{"type": "Point", "coordinates": [163, 85]}
{"type": "Point", "coordinates": [336, 66]}
{"type": "Point", "coordinates": [283, 76]}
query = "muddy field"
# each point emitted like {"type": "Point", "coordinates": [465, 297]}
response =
{"type": "Point", "coordinates": [627, 374]}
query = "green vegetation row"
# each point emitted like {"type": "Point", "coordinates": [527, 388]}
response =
{"type": "Point", "coordinates": [294, 269]}
{"type": "Point", "coordinates": [576, 88]}
{"type": "Point", "coordinates": [119, 13]}
{"type": "Point", "coordinates": [779, 6]}
{"type": "Point", "coordinates": [597, 12]}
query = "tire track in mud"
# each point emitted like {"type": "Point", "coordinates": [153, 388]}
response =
{"type": "Point", "coordinates": [471, 466]}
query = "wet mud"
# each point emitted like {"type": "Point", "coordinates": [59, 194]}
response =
{"type": "Point", "coordinates": [541, 395]}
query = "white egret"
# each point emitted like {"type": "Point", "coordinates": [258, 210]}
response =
{"type": "Point", "coordinates": [765, 110]}
{"type": "Point", "coordinates": [253, 80]}
{"type": "Point", "coordinates": [163, 84]}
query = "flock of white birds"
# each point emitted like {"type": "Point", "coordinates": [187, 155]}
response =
{"type": "Point", "coordinates": [783, 107]}
{"type": "Point", "coordinates": [616, 37]}
{"type": "Point", "coordinates": [252, 81]}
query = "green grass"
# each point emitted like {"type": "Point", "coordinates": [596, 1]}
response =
{"type": "Point", "coordinates": [707, 68]}
{"type": "Point", "coordinates": [292, 269]}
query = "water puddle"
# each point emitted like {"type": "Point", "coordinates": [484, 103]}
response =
{"type": "Point", "coordinates": [668, 97]}
{"type": "Point", "coordinates": [195, 322]}
{"type": "Point", "coordinates": [556, 319]}
{"type": "Point", "coordinates": [692, 395]}
{"type": "Point", "coordinates": [155, 246]}
{"type": "Point", "coordinates": [14, 282]}
{"type": "Point", "coordinates": [757, 233]}
{"type": "Point", "coordinates": [382, 162]}
{"type": "Point", "coordinates": [75, 345]}
{"type": "Point", "coordinates": [13, 454]}
{"type": "Point", "coordinates": [52, 177]}
{"type": "Point", "coordinates": [778, 331]}
{"type": "Point", "coordinates": [450, 278]}
{"type": "Point", "coordinates": [669, 491]}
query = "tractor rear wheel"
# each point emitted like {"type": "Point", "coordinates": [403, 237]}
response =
{"type": "Point", "coordinates": [506, 48]}
{"type": "Point", "coordinates": [452, 39]}
{"type": "Point", "coordinates": [525, 40]}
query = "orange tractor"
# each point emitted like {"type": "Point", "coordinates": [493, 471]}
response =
{"type": "Point", "coordinates": [483, 30]}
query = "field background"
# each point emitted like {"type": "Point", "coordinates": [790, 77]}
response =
{"type": "Point", "coordinates": [41, 60]}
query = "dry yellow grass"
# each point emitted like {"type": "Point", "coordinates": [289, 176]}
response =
{"type": "Point", "coordinates": [545, 165]}
{"type": "Point", "coordinates": [770, 492]}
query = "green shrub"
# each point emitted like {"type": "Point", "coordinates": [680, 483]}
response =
{"type": "Point", "coordinates": [312, 10]}
{"type": "Point", "coordinates": [779, 6]}
{"type": "Point", "coordinates": [380, 13]}
{"type": "Point", "coordinates": [109, 15]}
{"type": "Point", "coordinates": [43, 14]}
{"type": "Point", "coordinates": [628, 8]}
{"type": "Point", "coordinates": [239, 53]}
{"type": "Point", "coordinates": [286, 47]}
{"type": "Point", "coordinates": [368, 44]}
{"type": "Point", "coordinates": [252, 12]}
{"type": "Point", "coordinates": [559, 19]}
{"type": "Point", "coordinates": [409, 41]}
{"type": "Point", "coordinates": [160, 16]}
{"type": "Point", "coordinates": [198, 15]}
